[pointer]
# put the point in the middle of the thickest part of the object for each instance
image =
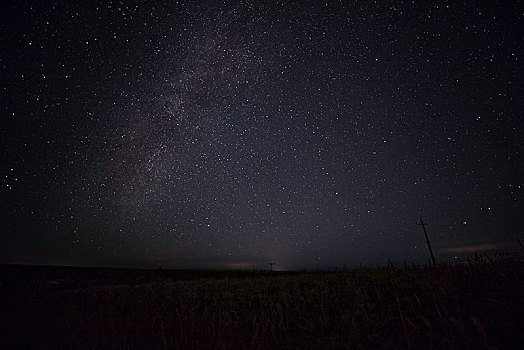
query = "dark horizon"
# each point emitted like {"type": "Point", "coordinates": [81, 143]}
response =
{"type": "Point", "coordinates": [454, 255]}
{"type": "Point", "coordinates": [301, 133]}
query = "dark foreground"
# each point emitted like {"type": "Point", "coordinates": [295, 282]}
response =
{"type": "Point", "coordinates": [468, 307]}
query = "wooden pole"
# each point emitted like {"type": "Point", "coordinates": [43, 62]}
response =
{"type": "Point", "coordinates": [520, 243]}
{"type": "Point", "coordinates": [423, 224]}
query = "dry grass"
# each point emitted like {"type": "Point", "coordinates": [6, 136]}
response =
{"type": "Point", "coordinates": [469, 307]}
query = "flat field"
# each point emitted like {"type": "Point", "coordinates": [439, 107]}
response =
{"type": "Point", "coordinates": [475, 306]}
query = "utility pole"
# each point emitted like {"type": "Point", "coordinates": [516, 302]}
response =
{"type": "Point", "coordinates": [271, 266]}
{"type": "Point", "coordinates": [423, 224]}
{"type": "Point", "coordinates": [520, 244]}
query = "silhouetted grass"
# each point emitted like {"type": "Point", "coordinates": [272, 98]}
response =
{"type": "Point", "coordinates": [473, 306]}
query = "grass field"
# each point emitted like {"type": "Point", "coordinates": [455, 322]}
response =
{"type": "Point", "coordinates": [475, 306]}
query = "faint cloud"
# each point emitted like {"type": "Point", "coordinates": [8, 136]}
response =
{"type": "Point", "coordinates": [481, 247]}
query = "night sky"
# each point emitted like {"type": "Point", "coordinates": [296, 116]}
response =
{"type": "Point", "coordinates": [231, 134]}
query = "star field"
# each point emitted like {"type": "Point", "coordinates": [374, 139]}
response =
{"type": "Point", "coordinates": [180, 134]}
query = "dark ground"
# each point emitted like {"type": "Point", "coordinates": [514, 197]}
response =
{"type": "Point", "coordinates": [474, 306]}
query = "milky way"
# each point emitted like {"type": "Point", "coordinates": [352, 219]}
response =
{"type": "Point", "coordinates": [308, 134]}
